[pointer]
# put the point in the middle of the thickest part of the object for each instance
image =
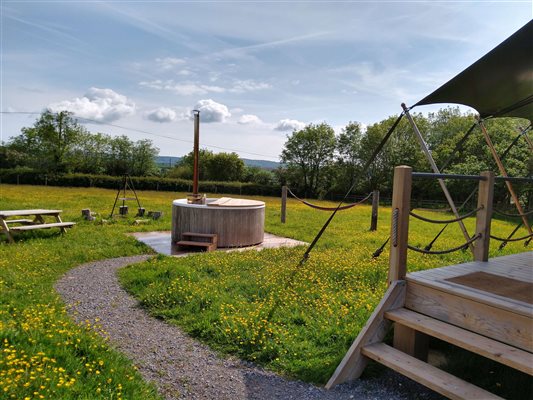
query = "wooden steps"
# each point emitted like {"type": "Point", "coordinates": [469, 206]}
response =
{"type": "Point", "coordinates": [42, 226]}
{"type": "Point", "coordinates": [432, 377]}
{"type": "Point", "coordinates": [208, 241]}
{"type": "Point", "coordinates": [413, 327]}
{"type": "Point", "coordinates": [484, 346]}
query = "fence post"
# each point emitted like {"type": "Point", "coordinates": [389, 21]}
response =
{"type": "Point", "coordinates": [405, 339]}
{"type": "Point", "coordinates": [375, 205]}
{"type": "Point", "coordinates": [483, 216]}
{"type": "Point", "coordinates": [401, 199]}
{"type": "Point", "coordinates": [283, 203]}
{"type": "Point", "coordinates": [17, 179]}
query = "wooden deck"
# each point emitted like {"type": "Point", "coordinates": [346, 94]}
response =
{"type": "Point", "coordinates": [518, 267]}
{"type": "Point", "coordinates": [484, 306]}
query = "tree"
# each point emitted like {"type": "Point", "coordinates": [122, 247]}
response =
{"type": "Point", "coordinates": [185, 167]}
{"type": "Point", "coordinates": [90, 154]}
{"type": "Point", "coordinates": [258, 175]}
{"type": "Point", "coordinates": [120, 156]}
{"type": "Point", "coordinates": [48, 142]}
{"type": "Point", "coordinates": [143, 157]}
{"type": "Point", "coordinates": [349, 155]}
{"type": "Point", "coordinates": [401, 148]}
{"type": "Point", "coordinates": [308, 155]}
{"type": "Point", "coordinates": [225, 167]}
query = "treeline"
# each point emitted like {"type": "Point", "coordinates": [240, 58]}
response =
{"type": "Point", "coordinates": [57, 144]}
{"type": "Point", "coordinates": [317, 162]}
{"type": "Point", "coordinates": [221, 167]}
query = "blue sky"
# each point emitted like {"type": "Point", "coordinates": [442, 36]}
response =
{"type": "Point", "coordinates": [256, 70]}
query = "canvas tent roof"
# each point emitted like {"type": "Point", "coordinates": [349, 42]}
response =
{"type": "Point", "coordinates": [500, 84]}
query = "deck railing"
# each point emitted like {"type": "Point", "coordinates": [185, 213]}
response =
{"type": "Point", "coordinates": [401, 207]}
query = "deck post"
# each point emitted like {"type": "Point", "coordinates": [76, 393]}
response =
{"type": "Point", "coordinates": [483, 217]}
{"type": "Point", "coordinates": [375, 205]}
{"type": "Point", "coordinates": [283, 203]}
{"type": "Point", "coordinates": [401, 201]}
{"type": "Point", "coordinates": [405, 339]}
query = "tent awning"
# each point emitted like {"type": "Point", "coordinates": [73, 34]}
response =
{"type": "Point", "coordinates": [500, 84]}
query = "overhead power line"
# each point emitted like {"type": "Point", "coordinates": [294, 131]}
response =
{"type": "Point", "coordinates": [146, 132]}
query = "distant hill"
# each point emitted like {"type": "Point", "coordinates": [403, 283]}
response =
{"type": "Point", "coordinates": [167, 161]}
{"type": "Point", "coordinates": [170, 161]}
{"type": "Point", "coordinates": [264, 164]}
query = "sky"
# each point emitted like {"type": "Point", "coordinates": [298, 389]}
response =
{"type": "Point", "coordinates": [256, 70]}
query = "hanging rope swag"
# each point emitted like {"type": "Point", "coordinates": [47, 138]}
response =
{"type": "Point", "coordinates": [340, 208]}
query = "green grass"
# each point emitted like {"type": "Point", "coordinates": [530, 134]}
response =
{"type": "Point", "coordinates": [43, 354]}
{"type": "Point", "coordinates": [225, 299]}
{"type": "Point", "coordinates": [221, 298]}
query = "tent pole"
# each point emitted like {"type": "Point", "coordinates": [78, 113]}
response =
{"type": "Point", "coordinates": [504, 173]}
{"type": "Point", "coordinates": [436, 170]}
{"type": "Point", "coordinates": [528, 140]}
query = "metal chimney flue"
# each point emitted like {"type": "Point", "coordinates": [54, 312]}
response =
{"type": "Point", "coordinates": [195, 197]}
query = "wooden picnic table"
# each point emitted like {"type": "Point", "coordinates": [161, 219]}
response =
{"type": "Point", "coordinates": [11, 221]}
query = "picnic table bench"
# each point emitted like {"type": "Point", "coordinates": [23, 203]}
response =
{"type": "Point", "coordinates": [8, 224]}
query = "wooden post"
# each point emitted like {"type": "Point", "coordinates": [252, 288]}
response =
{"type": "Point", "coordinates": [405, 339]}
{"type": "Point", "coordinates": [483, 217]}
{"type": "Point", "coordinates": [401, 200]}
{"type": "Point", "coordinates": [283, 203]}
{"type": "Point", "coordinates": [375, 205]}
{"type": "Point", "coordinates": [411, 342]}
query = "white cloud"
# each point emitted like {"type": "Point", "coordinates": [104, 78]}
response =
{"type": "Point", "coordinates": [289, 125]}
{"type": "Point", "coordinates": [249, 119]}
{"type": "Point", "coordinates": [169, 62]}
{"type": "Point", "coordinates": [161, 114]}
{"type": "Point", "coordinates": [194, 88]}
{"type": "Point", "coordinates": [184, 89]}
{"type": "Point", "coordinates": [248, 86]}
{"type": "Point", "coordinates": [101, 105]}
{"type": "Point", "coordinates": [211, 111]}
{"type": "Point", "coordinates": [184, 72]}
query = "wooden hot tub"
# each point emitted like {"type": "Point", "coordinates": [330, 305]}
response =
{"type": "Point", "coordinates": [237, 222]}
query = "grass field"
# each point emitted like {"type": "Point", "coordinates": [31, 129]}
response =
{"type": "Point", "coordinates": [223, 298]}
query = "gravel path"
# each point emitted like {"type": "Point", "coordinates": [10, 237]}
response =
{"type": "Point", "coordinates": [183, 368]}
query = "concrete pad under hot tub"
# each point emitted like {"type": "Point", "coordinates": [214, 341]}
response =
{"type": "Point", "coordinates": [161, 242]}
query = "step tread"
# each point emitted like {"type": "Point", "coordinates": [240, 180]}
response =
{"type": "Point", "coordinates": [476, 343]}
{"type": "Point", "coordinates": [424, 373]}
{"type": "Point", "coordinates": [205, 235]}
{"type": "Point", "coordinates": [193, 243]}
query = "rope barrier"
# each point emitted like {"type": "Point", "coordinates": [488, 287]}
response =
{"type": "Point", "coordinates": [346, 207]}
{"type": "Point", "coordinates": [378, 252]}
{"type": "Point", "coordinates": [449, 221]}
{"type": "Point", "coordinates": [526, 214]}
{"type": "Point", "coordinates": [437, 210]}
{"type": "Point", "coordinates": [462, 247]}
{"type": "Point", "coordinates": [305, 256]}
{"type": "Point", "coordinates": [503, 244]}
{"type": "Point", "coordinates": [512, 240]}
{"type": "Point", "coordinates": [430, 244]}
